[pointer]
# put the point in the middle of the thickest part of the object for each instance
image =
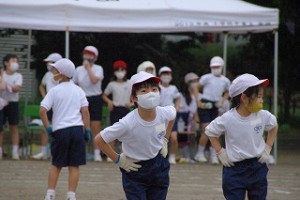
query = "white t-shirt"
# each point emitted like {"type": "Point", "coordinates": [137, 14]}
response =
{"type": "Point", "coordinates": [213, 86]}
{"type": "Point", "coordinates": [66, 99]}
{"type": "Point", "coordinates": [192, 107]}
{"type": "Point", "coordinates": [82, 79]}
{"type": "Point", "coordinates": [168, 95]}
{"type": "Point", "coordinates": [11, 80]}
{"type": "Point", "coordinates": [120, 92]}
{"type": "Point", "coordinates": [48, 81]}
{"type": "Point", "coordinates": [243, 135]}
{"type": "Point", "coordinates": [140, 139]}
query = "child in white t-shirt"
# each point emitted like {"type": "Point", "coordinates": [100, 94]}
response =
{"type": "Point", "coordinates": [169, 95]}
{"type": "Point", "coordinates": [244, 159]}
{"type": "Point", "coordinates": [145, 170]}
{"type": "Point", "coordinates": [46, 84]}
{"type": "Point", "coordinates": [70, 127]}
{"type": "Point", "coordinates": [89, 77]}
{"type": "Point", "coordinates": [119, 89]}
{"type": "Point", "coordinates": [214, 88]}
{"type": "Point", "coordinates": [13, 81]}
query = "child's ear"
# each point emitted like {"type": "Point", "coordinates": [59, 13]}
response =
{"type": "Point", "coordinates": [244, 98]}
{"type": "Point", "coordinates": [133, 99]}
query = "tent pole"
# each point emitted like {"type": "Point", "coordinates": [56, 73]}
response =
{"type": "Point", "coordinates": [28, 57]}
{"type": "Point", "coordinates": [67, 43]}
{"type": "Point", "coordinates": [275, 97]}
{"type": "Point", "coordinates": [225, 52]}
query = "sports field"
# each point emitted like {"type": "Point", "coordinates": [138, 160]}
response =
{"type": "Point", "coordinates": [27, 180]}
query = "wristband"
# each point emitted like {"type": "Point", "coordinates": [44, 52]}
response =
{"type": "Point", "coordinates": [118, 159]}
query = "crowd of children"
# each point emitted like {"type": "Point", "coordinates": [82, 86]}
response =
{"type": "Point", "coordinates": [149, 117]}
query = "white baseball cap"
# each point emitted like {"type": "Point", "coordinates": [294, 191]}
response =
{"type": "Point", "coordinates": [216, 61]}
{"type": "Point", "coordinates": [141, 77]}
{"type": "Point", "coordinates": [190, 76]}
{"type": "Point", "coordinates": [53, 57]}
{"type": "Point", "coordinates": [65, 67]}
{"type": "Point", "coordinates": [164, 69]}
{"type": "Point", "coordinates": [243, 82]}
{"type": "Point", "coordinates": [91, 50]}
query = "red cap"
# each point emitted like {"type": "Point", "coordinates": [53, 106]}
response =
{"type": "Point", "coordinates": [120, 63]}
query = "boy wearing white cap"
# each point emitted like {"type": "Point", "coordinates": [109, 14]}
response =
{"type": "Point", "coordinates": [244, 159]}
{"type": "Point", "coordinates": [169, 95]}
{"type": "Point", "coordinates": [214, 88]}
{"type": "Point", "coordinates": [145, 171]}
{"type": "Point", "coordinates": [70, 127]}
{"type": "Point", "coordinates": [46, 84]}
{"type": "Point", "coordinates": [89, 77]}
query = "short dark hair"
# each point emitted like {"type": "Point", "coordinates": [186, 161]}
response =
{"type": "Point", "coordinates": [7, 58]}
{"type": "Point", "coordinates": [251, 92]}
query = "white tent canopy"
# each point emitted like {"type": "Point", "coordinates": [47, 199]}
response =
{"type": "Point", "coordinates": [137, 15]}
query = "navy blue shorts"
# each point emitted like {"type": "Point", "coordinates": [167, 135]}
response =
{"type": "Point", "coordinates": [50, 115]}
{"type": "Point", "coordinates": [95, 107]}
{"type": "Point", "coordinates": [182, 138]}
{"type": "Point", "coordinates": [1, 120]}
{"type": "Point", "coordinates": [11, 113]}
{"type": "Point", "coordinates": [150, 182]}
{"type": "Point", "coordinates": [118, 113]}
{"type": "Point", "coordinates": [245, 176]}
{"type": "Point", "coordinates": [68, 148]}
{"type": "Point", "coordinates": [208, 115]}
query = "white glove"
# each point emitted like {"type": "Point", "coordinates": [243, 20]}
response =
{"type": "Point", "coordinates": [265, 155]}
{"type": "Point", "coordinates": [127, 164]}
{"type": "Point", "coordinates": [164, 150]}
{"type": "Point", "coordinates": [222, 155]}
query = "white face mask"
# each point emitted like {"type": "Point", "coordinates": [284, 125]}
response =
{"type": "Point", "coordinates": [166, 78]}
{"type": "Point", "coordinates": [120, 75]}
{"type": "Point", "coordinates": [216, 72]}
{"type": "Point", "coordinates": [14, 66]}
{"type": "Point", "coordinates": [149, 100]}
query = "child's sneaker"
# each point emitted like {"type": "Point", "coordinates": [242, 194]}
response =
{"type": "Point", "coordinates": [200, 157]}
{"type": "Point", "coordinates": [39, 156]}
{"type": "Point", "coordinates": [70, 198]}
{"type": "Point", "coordinates": [172, 159]}
{"type": "Point", "coordinates": [271, 160]}
{"type": "Point", "coordinates": [109, 160]}
{"type": "Point", "coordinates": [214, 160]}
{"type": "Point", "coordinates": [49, 197]}
{"type": "Point", "coordinates": [15, 156]}
{"type": "Point", "coordinates": [97, 158]}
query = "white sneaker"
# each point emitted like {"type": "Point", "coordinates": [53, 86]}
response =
{"type": "Point", "coordinates": [214, 160]}
{"type": "Point", "coordinates": [271, 160]}
{"type": "Point", "coordinates": [71, 198]}
{"type": "Point", "coordinates": [200, 157]}
{"type": "Point", "coordinates": [39, 156]}
{"type": "Point", "coordinates": [49, 197]}
{"type": "Point", "coordinates": [172, 159]}
{"type": "Point", "coordinates": [109, 160]}
{"type": "Point", "coordinates": [15, 156]}
{"type": "Point", "coordinates": [97, 158]}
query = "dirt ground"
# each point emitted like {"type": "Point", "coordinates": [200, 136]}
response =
{"type": "Point", "coordinates": [27, 180]}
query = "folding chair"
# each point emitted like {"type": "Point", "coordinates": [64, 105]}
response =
{"type": "Point", "coordinates": [31, 112]}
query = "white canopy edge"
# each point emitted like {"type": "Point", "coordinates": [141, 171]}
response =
{"type": "Point", "coordinates": [138, 16]}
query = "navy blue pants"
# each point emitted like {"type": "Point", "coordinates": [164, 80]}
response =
{"type": "Point", "coordinates": [247, 175]}
{"type": "Point", "coordinates": [151, 182]}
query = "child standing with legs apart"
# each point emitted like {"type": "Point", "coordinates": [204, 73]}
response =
{"type": "Point", "coordinates": [71, 127]}
{"type": "Point", "coordinates": [143, 163]}
{"type": "Point", "coordinates": [244, 159]}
